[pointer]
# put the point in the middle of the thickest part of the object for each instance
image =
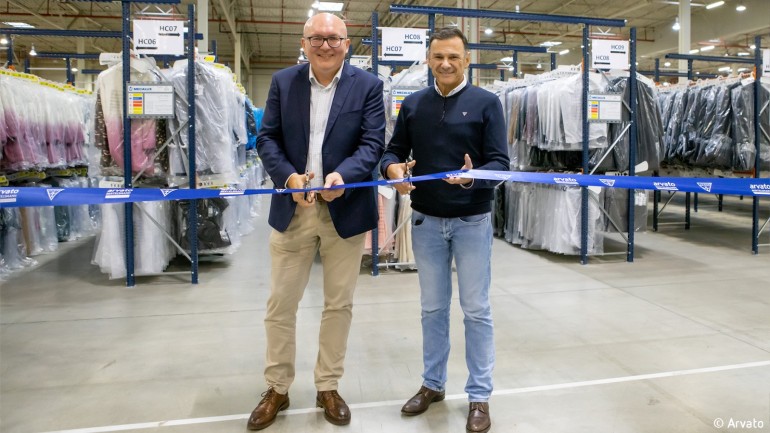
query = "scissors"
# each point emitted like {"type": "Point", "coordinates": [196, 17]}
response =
{"type": "Point", "coordinates": [309, 195]}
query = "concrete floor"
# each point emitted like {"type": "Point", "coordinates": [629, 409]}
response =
{"type": "Point", "coordinates": [678, 341]}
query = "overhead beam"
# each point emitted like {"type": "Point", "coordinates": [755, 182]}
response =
{"type": "Point", "coordinates": [227, 12]}
{"type": "Point", "coordinates": [36, 15]}
{"type": "Point", "coordinates": [477, 13]}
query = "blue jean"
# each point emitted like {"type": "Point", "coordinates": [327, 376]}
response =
{"type": "Point", "coordinates": [435, 241]}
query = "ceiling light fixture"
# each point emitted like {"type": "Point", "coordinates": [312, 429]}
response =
{"type": "Point", "coordinates": [74, 69]}
{"type": "Point", "coordinates": [19, 25]}
{"type": "Point", "coordinates": [715, 4]}
{"type": "Point", "coordinates": [32, 51]}
{"type": "Point", "coordinates": [550, 44]}
{"type": "Point", "coordinates": [539, 65]}
{"type": "Point", "coordinates": [488, 31]}
{"type": "Point", "coordinates": [743, 53]}
{"type": "Point", "coordinates": [329, 6]}
{"type": "Point", "coordinates": [4, 41]}
{"type": "Point", "coordinates": [725, 69]}
{"type": "Point", "coordinates": [563, 52]}
{"type": "Point", "coordinates": [694, 51]}
{"type": "Point", "coordinates": [310, 13]}
{"type": "Point", "coordinates": [753, 47]}
{"type": "Point", "coordinates": [676, 25]}
{"type": "Point", "coordinates": [667, 64]}
{"type": "Point", "coordinates": [707, 48]}
{"type": "Point", "coordinates": [741, 7]}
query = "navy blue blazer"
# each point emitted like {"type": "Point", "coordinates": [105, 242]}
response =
{"type": "Point", "coordinates": [352, 145]}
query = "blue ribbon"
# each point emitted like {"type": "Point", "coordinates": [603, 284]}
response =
{"type": "Point", "coordinates": [31, 196]}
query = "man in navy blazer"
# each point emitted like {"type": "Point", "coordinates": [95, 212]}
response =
{"type": "Point", "coordinates": [324, 125]}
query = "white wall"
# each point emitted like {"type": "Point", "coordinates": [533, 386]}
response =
{"type": "Point", "coordinates": [259, 85]}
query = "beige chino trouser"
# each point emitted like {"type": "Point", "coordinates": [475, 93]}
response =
{"type": "Point", "coordinates": [292, 254]}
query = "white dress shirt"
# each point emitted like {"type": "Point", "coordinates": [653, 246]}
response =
{"type": "Point", "coordinates": [321, 98]}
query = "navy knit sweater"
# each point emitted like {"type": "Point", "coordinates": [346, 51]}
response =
{"type": "Point", "coordinates": [439, 131]}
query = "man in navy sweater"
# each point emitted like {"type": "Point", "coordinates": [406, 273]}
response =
{"type": "Point", "coordinates": [453, 125]}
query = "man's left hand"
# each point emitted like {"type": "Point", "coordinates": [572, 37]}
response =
{"type": "Point", "coordinates": [462, 180]}
{"type": "Point", "coordinates": [332, 179]}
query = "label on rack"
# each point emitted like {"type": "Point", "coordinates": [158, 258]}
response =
{"type": "Point", "coordinates": [111, 183]}
{"type": "Point", "coordinates": [640, 198]}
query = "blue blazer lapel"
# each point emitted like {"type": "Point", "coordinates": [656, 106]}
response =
{"type": "Point", "coordinates": [301, 100]}
{"type": "Point", "coordinates": [347, 78]}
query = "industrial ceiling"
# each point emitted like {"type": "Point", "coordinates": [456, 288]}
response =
{"type": "Point", "coordinates": [270, 29]}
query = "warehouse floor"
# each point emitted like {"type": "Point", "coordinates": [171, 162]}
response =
{"type": "Point", "coordinates": [678, 341]}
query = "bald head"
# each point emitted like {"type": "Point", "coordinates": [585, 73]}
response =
{"type": "Point", "coordinates": [325, 22]}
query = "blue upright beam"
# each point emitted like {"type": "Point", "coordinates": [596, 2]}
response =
{"type": "Point", "coordinates": [376, 71]}
{"type": "Point", "coordinates": [92, 71]}
{"type": "Point", "coordinates": [757, 108]}
{"type": "Point", "coordinates": [125, 35]}
{"type": "Point", "coordinates": [515, 64]}
{"type": "Point", "coordinates": [632, 144]}
{"type": "Point", "coordinates": [70, 77]}
{"type": "Point", "coordinates": [376, 44]}
{"type": "Point", "coordinates": [192, 223]}
{"type": "Point", "coordinates": [657, 70]}
{"type": "Point", "coordinates": [584, 118]}
{"type": "Point", "coordinates": [10, 50]}
{"type": "Point", "coordinates": [553, 61]}
{"type": "Point", "coordinates": [710, 58]}
{"type": "Point", "coordinates": [431, 29]}
{"type": "Point", "coordinates": [505, 15]}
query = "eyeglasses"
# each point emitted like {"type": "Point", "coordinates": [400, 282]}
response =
{"type": "Point", "coordinates": [318, 41]}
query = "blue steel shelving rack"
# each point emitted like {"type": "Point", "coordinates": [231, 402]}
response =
{"type": "Point", "coordinates": [125, 36]}
{"type": "Point", "coordinates": [586, 22]}
{"type": "Point", "coordinates": [757, 63]}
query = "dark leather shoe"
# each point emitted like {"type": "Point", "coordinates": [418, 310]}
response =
{"type": "Point", "coordinates": [336, 411]}
{"type": "Point", "coordinates": [478, 418]}
{"type": "Point", "coordinates": [267, 409]}
{"type": "Point", "coordinates": [420, 402]}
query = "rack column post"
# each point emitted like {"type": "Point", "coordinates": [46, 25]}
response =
{"type": "Point", "coordinates": [757, 131]}
{"type": "Point", "coordinates": [375, 70]}
{"type": "Point", "coordinates": [127, 182]}
{"type": "Point", "coordinates": [632, 142]}
{"type": "Point", "coordinates": [584, 118]}
{"type": "Point", "coordinates": [192, 217]}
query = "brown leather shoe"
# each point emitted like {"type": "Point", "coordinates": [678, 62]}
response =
{"type": "Point", "coordinates": [267, 409]}
{"type": "Point", "coordinates": [420, 402]}
{"type": "Point", "coordinates": [478, 418]}
{"type": "Point", "coordinates": [336, 411]}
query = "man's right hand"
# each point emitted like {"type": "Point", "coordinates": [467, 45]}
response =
{"type": "Point", "coordinates": [399, 171]}
{"type": "Point", "coordinates": [299, 181]}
